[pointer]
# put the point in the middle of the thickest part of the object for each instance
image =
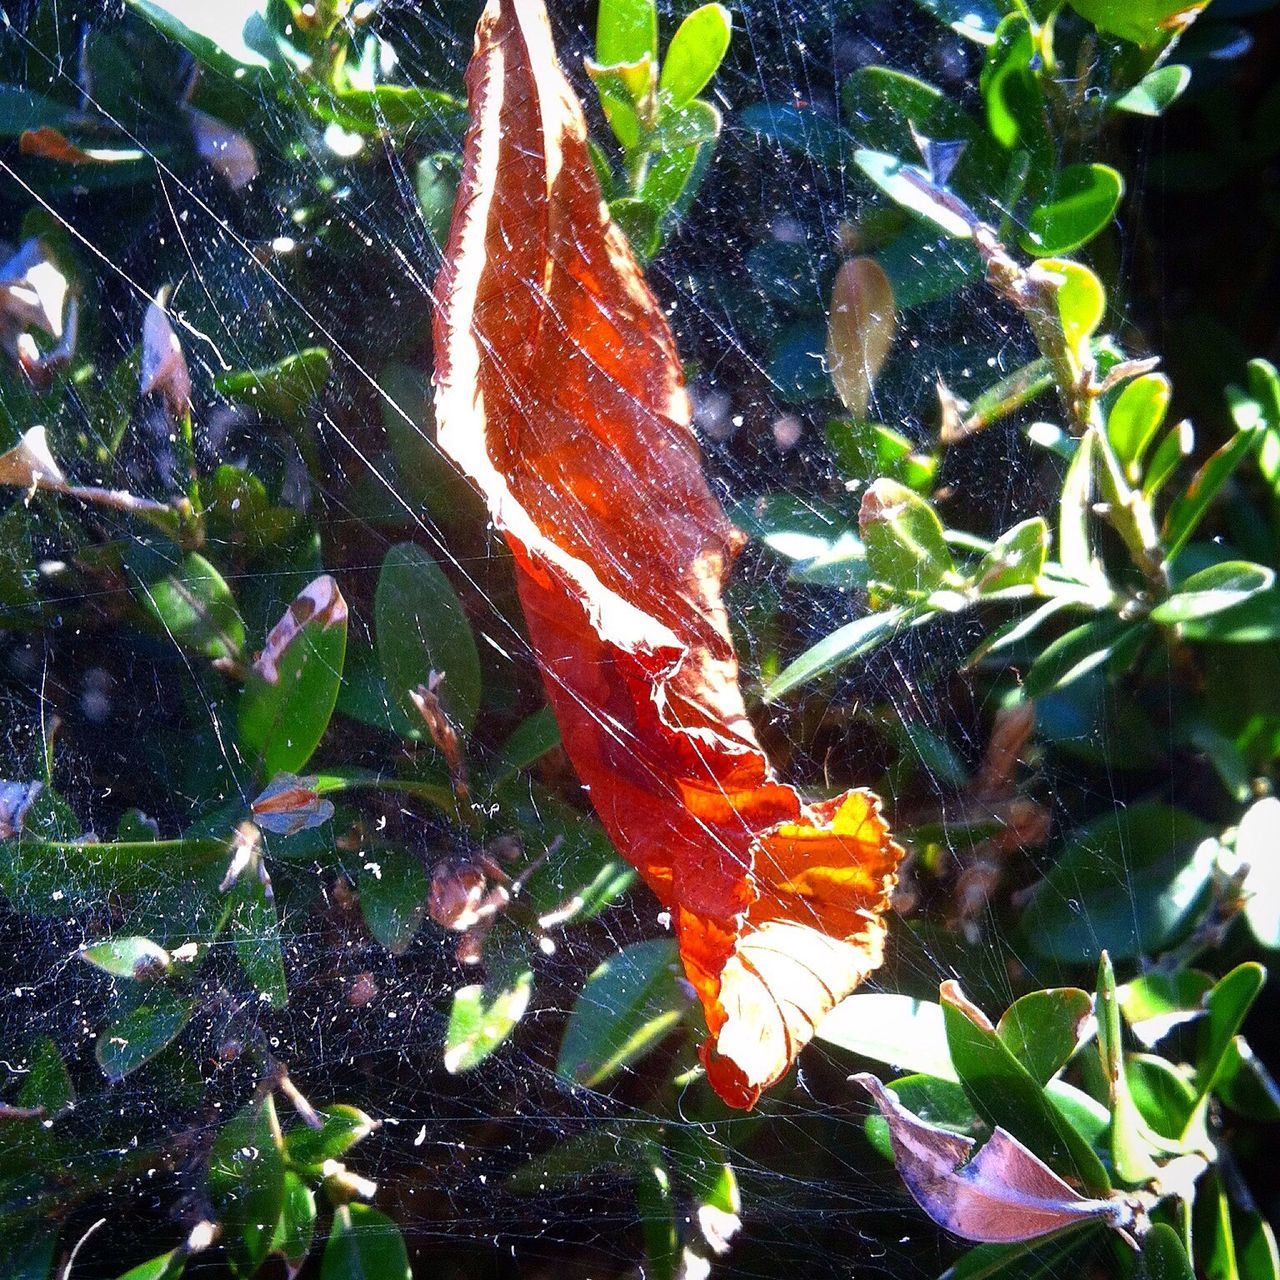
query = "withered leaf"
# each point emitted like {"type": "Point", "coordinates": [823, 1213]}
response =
{"type": "Point", "coordinates": [1002, 1193]}
{"type": "Point", "coordinates": [559, 391]}
{"type": "Point", "coordinates": [860, 330]}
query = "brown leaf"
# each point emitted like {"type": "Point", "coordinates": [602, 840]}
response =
{"type": "Point", "coordinates": [290, 804]}
{"type": "Point", "coordinates": [1001, 1194]}
{"type": "Point", "coordinates": [859, 330]}
{"type": "Point", "coordinates": [30, 464]}
{"type": "Point", "coordinates": [320, 600]}
{"type": "Point", "coordinates": [559, 391]}
{"type": "Point", "coordinates": [52, 144]}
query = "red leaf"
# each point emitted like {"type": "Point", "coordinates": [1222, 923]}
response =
{"type": "Point", "coordinates": [559, 391]}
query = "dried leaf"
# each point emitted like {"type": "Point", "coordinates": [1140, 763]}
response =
{"type": "Point", "coordinates": [30, 464]}
{"type": "Point", "coordinates": [163, 367]}
{"type": "Point", "coordinates": [319, 600]}
{"type": "Point", "coordinates": [52, 144]}
{"type": "Point", "coordinates": [1001, 1194]}
{"type": "Point", "coordinates": [33, 290]}
{"type": "Point", "coordinates": [16, 798]}
{"type": "Point", "coordinates": [225, 150]}
{"type": "Point", "coordinates": [859, 331]}
{"type": "Point", "coordinates": [559, 391]}
{"type": "Point", "coordinates": [291, 804]}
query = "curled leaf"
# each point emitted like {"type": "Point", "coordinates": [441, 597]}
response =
{"type": "Point", "coordinates": [33, 290]}
{"type": "Point", "coordinates": [291, 804]}
{"type": "Point", "coordinates": [999, 1192]}
{"type": "Point", "coordinates": [319, 601]}
{"type": "Point", "coordinates": [163, 367]}
{"type": "Point", "coordinates": [49, 143]}
{"type": "Point", "coordinates": [225, 150]}
{"type": "Point", "coordinates": [30, 464]}
{"type": "Point", "coordinates": [859, 330]}
{"type": "Point", "coordinates": [559, 391]}
{"type": "Point", "coordinates": [16, 798]}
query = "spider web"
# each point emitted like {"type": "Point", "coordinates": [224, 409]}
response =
{"type": "Point", "coordinates": [142, 722]}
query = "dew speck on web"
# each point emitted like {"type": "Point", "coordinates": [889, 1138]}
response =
{"type": "Point", "coordinates": [405, 764]}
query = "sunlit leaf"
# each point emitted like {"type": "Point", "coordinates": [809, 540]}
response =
{"type": "Point", "coordinates": [860, 329]}
{"type": "Point", "coordinates": [1083, 200]}
{"type": "Point", "coordinates": [126, 957]}
{"type": "Point", "coordinates": [1136, 418]}
{"type": "Point", "coordinates": [1150, 23]}
{"type": "Point", "coordinates": [364, 1244]}
{"type": "Point", "coordinates": [482, 1016]}
{"type": "Point", "coordinates": [1044, 1028]}
{"type": "Point", "coordinates": [341, 1127]}
{"type": "Point", "coordinates": [898, 1030]}
{"type": "Point", "coordinates": [195, 607]}
{"type": "Point", "coordinates": [1213, 590]}
{"type": "Point", "coordinates": [1156, 92]}
{"type": "Point", "coordinates": [695, 52]}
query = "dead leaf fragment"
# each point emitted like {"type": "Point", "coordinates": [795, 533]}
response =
{"type": "Point", "coordinates": [52, 144]}
{"type": "Point", "coordinates": [225, 150]}
{"type": "Point", "coordinates": [560, 392]}
{"type": "Point", "coordinates": [16, 798]}
{"type": "Point", "coordinates": [163, 368]}
{"type": "Point", "coordinates": [30, 464]}
{"type": "Point", "coordinates": [290, 804]}
{"type": "Point", "coordinates": [321, 601]}
{"type": "Point", "coordinates": [860, 330]}
{"type": "Point", "coordinates": [1001, 1194]}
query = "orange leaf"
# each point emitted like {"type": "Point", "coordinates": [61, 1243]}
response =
{"type": "Point", "coordinates": [559, 391]}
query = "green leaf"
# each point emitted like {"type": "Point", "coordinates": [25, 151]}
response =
{"type": "Point", "coordinates": [1256, 1247]}
{"type": "Point", "coordinates": [802, 131]}
{"type": "Point", "coordinates": [1227, 1005]}
{"type": "Point", "coordinates": [1257, 848]}
{"type": "Point", "coordinates": [1074, 506]}
{"type": "Point", "coordinates": [296, 1227]}
{"type": "Point", "coordinates": [1102, 640]}
{"type": "Point", "coordinates": [341, 1127]}
{"type": "Point", "coordinates": [1164, 1099]}
{"type": "Point", "coordinates": [1016, 558]}
{"type": "Point", "coordinates": [1135, 418]}
{"type": "Point", "coordinates": [227, 37]}
{"type": "Point", "coordinates": [1011, 91]}
{"type": "Point", "coordinates": [254, 927]}
{"type": "Point", "coordinates": [695, 53]}
{"type": "Point", "coordinates": [364, 1244]}
{"type": "Point", "coordinates": [1213, 590]}
{"type": "Point", "coordinates": [1044, 1028]}
{"type": "Point", "coordinates": [282, 390]}
{"type": "Point", "coordinates": [1132, 882]}
{"type": "Point", "coordinates": [853, 640]}
{"type": "Point", "coordinates": [901, 1031]}
{"type": "Point", "coordinates": [913, 189]}
{"type": "Point", "coordinates": [628, 1004]}
{"type": "Point", "coordinates": [641, 222]}
{"type": "Point", "coordinates": [1131, 1154]}
{"type": "Point", "coordinates": [1246, 1086]}
{"type": "Point", "coordinates": [423, 628]}
{"type": "Point", "coordinates": [291, 690]}
{"type": "Point", "coordinates": [48, 1083]}
{"type": "Point", "coordinates": [1008, 1096]}
{"type": "Point", "coordinates": [126, 957]}
{"type": "Point", "coordinates": [1177, 444]}
{"type": "Point", "coordinates": [137, 1036]}
{"type": "Point", "coordinates": [1156, 92]}
{"type": "Point", "coordinates": [532, 738]}
{"type": "Point", "coordinates": [976, 20]}
{"type": "Point", "coordinates": [682, 148]}
{"type": "Point", "coordinates": [1156, 1002]}
{"type": "Point", "coordinates": [1254, 621]}
{"type": "Point", "coordinates": [241, 514]}
{"type": "Point", "coordinates": [387, 107]}
{"type": "Point", "coordinates": [393, 888]}
{"type": "Point", "coordinates": [1190, 507]}
{"type": "Point", "coordinates": [1083, 200]}
{"type": "Point", "coordinates": [1038, 1259]}
{"type": "Point", "coordinates": [1082, 301]}
{"type": "Point", "coordinates": [483, 1015]}
{"type": "Point", "coordinates": [1150, 23]}
{"type": "Point", "coordinates": [906, 548]}
{"type": "Point", "coordinates": [1163, 1257]}
{"type": "Point", "coordinates": [246, 1183]}
{"type": "Point", "coordinates": [168, 1266]}
{"type": "Point", "coordinates": [797, 362]}
{"type": "Point", "coordinates": [195, 607]}
{"type": "Point", "coordinates": [21, 109]}
{"type": "Point", "coordinates": [626, 30]}
{"type": "Point", "coordinates": [436, 184]}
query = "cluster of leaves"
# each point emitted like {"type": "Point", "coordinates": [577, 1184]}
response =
{"type": "Point", "coordinates": [303, 703]}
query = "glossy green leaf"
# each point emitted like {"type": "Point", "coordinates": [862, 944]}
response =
{"type": "Point", "coordinates": [483, 1015]}
{"type": "Point", "coordinates": [626, 30]}
{"type": "Point", "coordinates": [246, 1183]}
{"type": "Point", "coordinates": [1044, 1028]}
{"type": "Point", "coordinates": [974, 19]}
{"type": "Point", "coordinates": [1016, 559]}
{"type": "Point", "coordinates": [137, 1036]}
{"type": "Point", "coordinates": [1074, 549]}
{"type": "Point", "coordinates": [1132, 882]}
{"type": "Point", "coordinates": [641, 222]}
{"type": "Point", "coordinates": [1136, 417]}
{"type": "Point", "coordinates": [254, 927]}
{"type": "Point", "coordinates": [1164, 1098]}
{"type": "Point", "coordinates": [1258, 847]}
{"type": "Point", "coordinates": [1082, 650]}
{"type": "Point", "coordinates": [1156, 1002]}
{"type": "Point", "coordinates": [1212, 590]}
{"type": "Point", "coordinates": [800, 130]}
{"type": "Point", "coordinates": [296, 1227]}
{"type": "Point", "coordinates": [1083, 202]}
{"type": "Point", "coordinates": [168, 1266]}
{"type": "Point", "coordinates": [1256, 620]}
{"type": "Point", "coordinates": [1176, 445]}
{"type": "Point", "coordinates": [1190, 507]}
{"type": "Point", "coordinates": [196, 609]}
{"type": "Point", "coordinates": [1156, 92]}
{"type": "Point", "coordinates": [1227, 1006]}
{"type": "Point", "coordinates": [283, 390]}
{"type": "Point", "coordinates": [394, 887]}
{"type": "Point", "coordinates": [1163, 1257]}
{"type": "Point", "coordinates": [1246, 1086]}
{"type": "Point", "coordinates": [1131, 1154]}
{"type": "Point", "coordinates": [48, 1083]}
{"type": "Point", "coordinates": [384, 107]}
{"type": "Point", "coordinates": [1081, 299]}
{"type": "Point", "coordinates": [906, 549]}
{"type": "Point", "coordinates": [897, 1030]}
{"type": "Point", "coordinates": [226, 37]}
{"type": "Point", "coordinates": [364, 1244]}
{"type": "Point", "coordinates": [1007, 1095]}
{"type": "Point", "coordinates": [695, 53]}
{"type": "Point", "coordinates": [681, 146]}
{"type": "Point", "coordinates": [240, 513]}
{"type": "Point", "coordinates": [883, 106]}
{"type": "Point", "coordinates": [341, 1127]}
{"type": "Point", "coordinates": [291, 691]}
{"type": "Point", "coordinates": [126, 957]}
{"type": "Point", "coordinates": [1012, 93]}
{"type": "Point", "coordinates": [1256, 1247]}
{"type": "Point", "coordinates": [531, 739]}
{"type": "Point", "coordinates": [913, 189]}
{"type": "Point", "coordinates": [1150, 23]}
{"type": "Point", "coordinates": [627, 1006]}
{"type": "Point", "coordinates": [1038, 1259]}
{"type": "Point", "coordinates": [853, 640]}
